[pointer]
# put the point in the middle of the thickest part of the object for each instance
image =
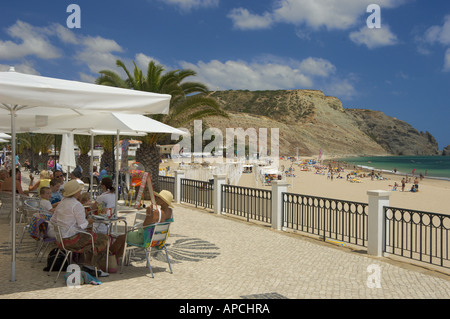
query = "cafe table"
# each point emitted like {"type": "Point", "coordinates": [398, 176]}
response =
{"type": "Point", "coordinates": [109, 222]}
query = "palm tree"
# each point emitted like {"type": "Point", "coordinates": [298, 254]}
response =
{"type": "Point", "coordinates": [35, 148]}
{"type": "Point", "coordinates": [84, 160]}
{"type": "Point", "coordinates": [106, 142]}
{"type": "Point", "coordinates": [189, 102]}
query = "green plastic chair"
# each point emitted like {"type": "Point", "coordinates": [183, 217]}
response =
{"type": "Point", "coordinates": [147, 238]}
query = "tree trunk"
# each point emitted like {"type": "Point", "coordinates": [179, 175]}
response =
{"type": "Point", "coordinates": [84, 160]}
{"type": "Point", "coordinates": [106, 160]}
{"type": "Point", "coordinates": [149, 156]}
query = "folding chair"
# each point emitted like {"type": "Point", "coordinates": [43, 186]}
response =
{"type": "Point", "coordinates": [28, 208]}
{"type": "Point", "coordinates": [155, 237]}
{"type": "Point", "coordinates": [6, 200]}
{"type": "Point", "coordinates": [62, 248]}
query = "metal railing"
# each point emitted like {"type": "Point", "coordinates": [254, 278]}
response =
{"type": "Point", "coordinates": [251, 203]}
{"type": "Point", "coordinates": [167, 183]}
{"type": "Point", "coordinates": [340, 220]}
{"type": "Point", "coordinates": [198, 193]}
{"type": "Point", "coordinates": [418, 235]}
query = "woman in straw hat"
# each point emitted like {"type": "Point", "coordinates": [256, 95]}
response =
{"type": "Point", "coordinates": [164, 213]}
{"type": "Point", "coordinates": [70, 215]}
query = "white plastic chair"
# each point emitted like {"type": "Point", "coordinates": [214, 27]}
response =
{"type": "Point", "coordinates": [155, 237]}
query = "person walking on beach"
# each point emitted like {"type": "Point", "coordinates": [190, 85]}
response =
{"type": "Point", "coordinates": [403, 184]}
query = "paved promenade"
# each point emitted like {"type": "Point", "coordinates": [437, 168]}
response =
{"type": "Point", "coordinates": [220, 257]}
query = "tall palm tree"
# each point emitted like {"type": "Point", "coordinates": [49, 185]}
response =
{"type": "Point", "coordinates": [106, 142]}
{"type": "Point", "coordinates": [35, 148]}
{"type": "Point", "coordinates": [189, 102]}
{"type": "Point", "coordinates": [84, 160]}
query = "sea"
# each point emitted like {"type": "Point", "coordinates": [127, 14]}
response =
{"type": "Point", "coordinates": [437, 167]}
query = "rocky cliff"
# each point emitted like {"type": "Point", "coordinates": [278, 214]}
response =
{"type": "Point", "coordinates": [310, 121]}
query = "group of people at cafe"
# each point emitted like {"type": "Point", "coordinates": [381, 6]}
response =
{"type": "Point", "coordinates": [71, 209]}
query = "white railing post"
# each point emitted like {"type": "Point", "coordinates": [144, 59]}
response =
{"type": "Point", "coordinates": [278, 187]}
{"type": "Point", "coordinates": [177, 188]}
{"type": "Point", "coordinates": [219, 180]}
{"type": "Point", "coordinates": [376, 222]}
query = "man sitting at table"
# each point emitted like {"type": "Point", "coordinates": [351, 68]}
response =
{"type": "Point", "coordinates": [70, 215]}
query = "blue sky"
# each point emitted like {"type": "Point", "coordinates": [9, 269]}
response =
{"type": "Point", "coordinates": [401, 69]}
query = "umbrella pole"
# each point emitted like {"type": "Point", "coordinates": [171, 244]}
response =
{"type": "Point", "coordinates": [92, 166]}
{"type": "Point", "coordinates": [117, 172]}
{"type": "Point", "coordinates": [13, 194]}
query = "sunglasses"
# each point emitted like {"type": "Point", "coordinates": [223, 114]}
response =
{"type": "Point", "coordinates": [59, 176]}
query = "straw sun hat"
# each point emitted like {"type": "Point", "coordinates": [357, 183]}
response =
{"type": "Point", "coordinates": [71, 188]}
{"type": "Point", "coordinates": [166, 196]}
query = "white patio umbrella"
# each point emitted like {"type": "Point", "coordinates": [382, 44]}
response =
{"type": "Point", "coordinates": [67, 152]}
{"type": "Point", "coordinates": [41, 98]}
{"type": "Point", "coordinates": [109, 123]}
{"type": "Point", "coordinates": [4, 141]}
{"type": "Point", "coordinates": [5, 136]}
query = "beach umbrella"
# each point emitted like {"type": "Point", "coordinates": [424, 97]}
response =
{"type": "Point", "coordinates": [67, 152]}
{"type": "Point", "coordinates": [5, 136]}
{"type": "Point", "coordinates": [25, 98]}
{"type": "Point", "coordinates": [109, 123]}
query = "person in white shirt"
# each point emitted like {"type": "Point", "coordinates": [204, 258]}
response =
{"type": "Point", "coordinates": [45, 193]}
{"type": "Point", "coordinates": [107, 199]}
{"type": "Point", "coordinates": [71, 218]}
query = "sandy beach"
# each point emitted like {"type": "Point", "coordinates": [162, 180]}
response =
{"type": "Point", "coordinates": [433, 195]}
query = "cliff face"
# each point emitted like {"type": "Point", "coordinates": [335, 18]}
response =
{"type": "Point", "coordinates": [395, 136]}
{"type": "Point", "coordinates": [310, 121]}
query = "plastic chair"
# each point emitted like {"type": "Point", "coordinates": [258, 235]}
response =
{"type": "Point", "coordinates": [155, 237]}
{"type": "Point", "coordinates": [6, 200]}
{"type": "Point", "coordinates": [68, 252]}
{"type": "Point", "coordinates": [44, 239]}
{"type": "Point", "coordinates": [28, 208]}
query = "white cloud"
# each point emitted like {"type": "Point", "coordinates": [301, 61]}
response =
{"type": "Point", "coordinates": [25, 67]}
{"type": "Point", "coordinates": [276, 74]}
{"type": "Point", "coordinates": [250, 76]}
{"type": "Point", "coordinates": [374, 38]}
{"type": "Point", "coordinates": [187, 5]}
{"type": "Point", "coordinates": [317, 67]}
{"type": "Point", "coordinates": [439, 34]}
{"type": "Point", "coordinates": [447, 61]}
{"type": "Point", "coordinates": [143, 60]}
{"type": "Point", "coordinates": [341, 88]}
{"type": "Point", "coordinates": [329, 14]}
{"type": "Point", "coordinates": [244, 20]}
{"type": "Point", "coordinates": [31, 41]}
{"type": "Point", "coordinates": [97, 53]}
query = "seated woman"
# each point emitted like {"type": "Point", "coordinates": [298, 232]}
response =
{"type": "Point", "coordinates": [44, 181]}
{"type": "Point", "coordinates": [164, 214]}
{"type": "Point", "coordinates": [71, 216]}
{"type": "Point", "coordinates": [7, 183]}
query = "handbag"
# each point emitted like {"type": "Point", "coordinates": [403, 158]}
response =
{"type": "Point", "coordinates": [112, 264]}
